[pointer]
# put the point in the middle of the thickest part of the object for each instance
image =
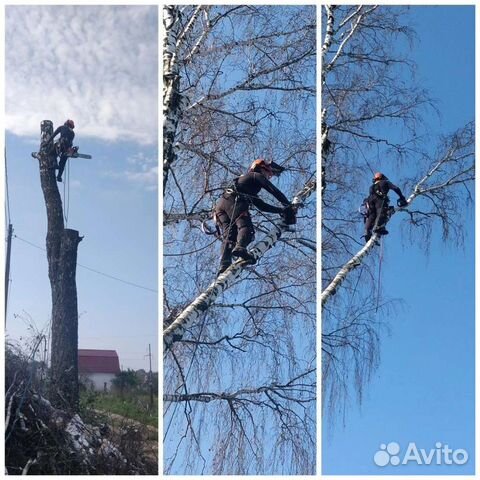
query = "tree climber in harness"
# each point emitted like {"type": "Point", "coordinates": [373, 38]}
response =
{"type": "Point", "coordinates": [64, 146]}
{"type": "Point", "coordinates": [377, 205]}
{"type": "Point", "coordinates": [233, 217]}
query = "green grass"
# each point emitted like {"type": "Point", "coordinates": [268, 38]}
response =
{"type": "Point", "coordinates": [134, 406]}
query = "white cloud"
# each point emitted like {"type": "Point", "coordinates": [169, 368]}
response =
{"type": "Point", "coordinates": [143, 171]}
{"type": "Point", "coordinates": [147, 178]}
{"type": "Point", "coordinates": [95, 64]}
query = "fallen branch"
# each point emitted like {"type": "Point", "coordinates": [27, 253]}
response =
{"type": "Point", "coordinates": [45, 440]}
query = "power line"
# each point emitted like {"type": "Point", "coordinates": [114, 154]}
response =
{"type": "Point", "coordinates": [93, 270]}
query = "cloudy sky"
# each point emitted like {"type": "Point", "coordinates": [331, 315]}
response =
{"type": "Point", "coordinates": [97, 65]}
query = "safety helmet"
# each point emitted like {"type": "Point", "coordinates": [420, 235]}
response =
{"type": "Point", "coordinates": [260, 163]}
{"type": "Point", "coordinates": [69, 123]}
{"type": "Point", "coordinates": [378, 176]}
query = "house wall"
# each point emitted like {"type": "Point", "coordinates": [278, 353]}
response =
{"type": "Point", "coordinates": [97, 381]}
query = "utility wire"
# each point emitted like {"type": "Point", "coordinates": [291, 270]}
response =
{"type": "Point", "coordinates": [92, 269]}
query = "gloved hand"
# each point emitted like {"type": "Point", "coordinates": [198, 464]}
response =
{"type": "Point", "coordinates": [289, 216]}
{"type": "Point", "coordinates": [402, 202]}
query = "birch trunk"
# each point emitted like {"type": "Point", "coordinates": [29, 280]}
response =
{"type": "Point", "coordinates": [62, 247]}
{"type": "Point", "coordinates": [356, 260]}
{"type": "Point", "coordinates": [174, 332]}
{"type": "Point", "coordinates": [171, 85]}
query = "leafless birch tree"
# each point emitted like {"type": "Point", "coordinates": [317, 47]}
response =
{"type": "Point", "coordinates": [239, 370]}
{"type": "Point", "coordinates": [372, 107]}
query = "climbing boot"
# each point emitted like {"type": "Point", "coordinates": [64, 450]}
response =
{"type": "Point", "coordinates": [381, 231]}
{"type": "Point", "coordinates": [222, 268]}
{"type": "Point", "coordinates": [59, 178]}
{"type": "Point", "coordinates": [242, 252]}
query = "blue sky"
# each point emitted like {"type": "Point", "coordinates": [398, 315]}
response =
{"type": "Point", "coordinates": [423, 391]}
{"type": "Point", "coordinates": [102, 72]}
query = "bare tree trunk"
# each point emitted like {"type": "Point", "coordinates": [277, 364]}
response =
{"type": "Point", "coordinates": [171, 86]}
{"type": "Point", "coordinates": [62, 247]}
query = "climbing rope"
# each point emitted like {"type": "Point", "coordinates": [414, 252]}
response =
{"type": "Point", "coordinates": [66, 194]}
{"type": "Point", "coordinates": [379, 279]}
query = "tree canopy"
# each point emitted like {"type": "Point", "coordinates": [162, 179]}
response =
{"type": "Point", "coordinates": [375, 117]}
{"type": "Point", "coordinates": [240, 384]}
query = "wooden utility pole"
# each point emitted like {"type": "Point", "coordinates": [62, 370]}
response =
{"type": "Point", "coordinates": [150, 376]}
{"type": "Point", "coordinates": [7, 267]}
{"type": "Point", "coordinates": [62, 245]}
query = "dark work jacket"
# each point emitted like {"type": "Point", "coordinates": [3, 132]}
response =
{"type": "Point", "coordinates": [250, 185]}
{"type": "Point", "coordinates": [381, 188]}
{"type": "Point", "coordinates": [66, 135]}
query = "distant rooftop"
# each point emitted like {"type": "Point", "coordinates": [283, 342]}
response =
{"type": "Point", "coordinates": [98, 361]}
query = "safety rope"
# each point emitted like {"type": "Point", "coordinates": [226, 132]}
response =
{"type": "Point", "coordinates": [66, 193]}
{"type": "Point", "coordinates": [380, 261]}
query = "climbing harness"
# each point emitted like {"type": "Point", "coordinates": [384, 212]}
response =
{"type": "Point", "coordinates": [380, 261]}
{"type": "Point", "coordinates": [230, 190]}
{"type": "Point", "coordinates": [208, 230]}
{"type": "Point", "coordinates": [364, 209]}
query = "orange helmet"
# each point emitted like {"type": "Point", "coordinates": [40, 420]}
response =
{"type": "Point", "coordinates": [259, 164]}
{"type": "Point", "coordinates": [69, 123]}
{"type": "Point", "coordinates": [378, 176]}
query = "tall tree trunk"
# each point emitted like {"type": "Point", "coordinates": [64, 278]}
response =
{"type": "Point", "coordinates": [62, 247]}
{"type": "Point", "coordinates": [171, 86]}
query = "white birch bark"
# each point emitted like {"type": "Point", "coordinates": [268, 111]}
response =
{"type": "Point", "coordinates": [357, 259]}
{"type": "Point", "coordinates": [202, 37]}
{"type": "Point", "coordinates": [327, 41]}
{"type": "Point", "coordinates": [171, 84]}
{"type": "Point", "coordinates": [464, 175]}
{"type": "Point", "coordinates": [169, 218]}
{"type": "Point", "coordinates": [354, 262]}
{"type": "Point", "coordinates": [200, 305]}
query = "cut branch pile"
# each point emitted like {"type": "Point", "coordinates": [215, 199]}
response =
{"type": "Point", "coordinates": [43, 440]}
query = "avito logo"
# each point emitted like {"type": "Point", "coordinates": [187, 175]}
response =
{"type": "Point", "coordinates": [442, 454]}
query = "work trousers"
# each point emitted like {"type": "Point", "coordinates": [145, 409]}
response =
{"type": "Point", "coordinates": [61, 163]}
{"type": "Point", "coordinates": [377, 208]}
{"type": "Point", "coordinates": [63, 148]}
{"type": "Point", "coordinates": [233, 218]}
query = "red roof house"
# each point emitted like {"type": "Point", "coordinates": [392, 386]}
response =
{"type": "Point", "coordinates": [98, 361]}
{"type": "Point", "coordinates": [99, 367]}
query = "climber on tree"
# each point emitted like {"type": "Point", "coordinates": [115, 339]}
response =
{"type": "Point", "coordinates": [377, 205]}
{"type": "Point", "coordinates": [64, 146]}
{"type": "Point", "coordinates": [233, 217]}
